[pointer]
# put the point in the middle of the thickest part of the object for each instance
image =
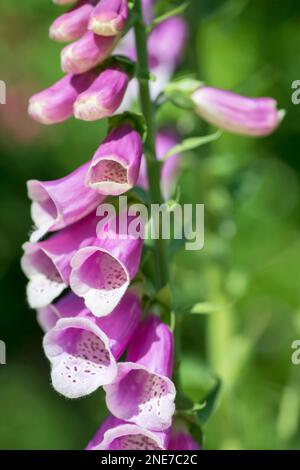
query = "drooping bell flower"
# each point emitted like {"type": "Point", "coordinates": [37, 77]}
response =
{"type": "Point", "coordinates": [104, 96]}
{"type": "Point", "coordinates": [47, 263]}
{"type": "Point", "coordinates": [115, 166]}
{"type": "Point", "coordinates": [73, 24]}
{"type": "Point", "coordinates": [165, 140]}
{"type": "Point", "coordinates": [60, 203]}
{"type": "Point", "coordinates": [167, 42]}
{"type": "Point", "coordinates": [181, 439]}
{"type": "Point", "coordinates": [115, 434]}
{"type": "Point", "coordinates": [83, 349]}
{"type": "Point", "coordinates": [102, 271]}
{"type": "Point", "coordinates": [55, 104]}
{"type": "Point", "coordinates": [142, 392]}
{"type": "Point", "coordinates": [88, 52]}
{"type": "Point", "coordinates": [235, 113]}
{"type": "Point", "coordinates": [109, 17]}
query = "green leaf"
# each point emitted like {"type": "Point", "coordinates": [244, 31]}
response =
{"type": "Point", "coordinates": [205, 308]}
{"type": "Point", "coordinates": [174, 12]}
{"type": "Point", "coordinates": [211, 402]}
{"type": "Point", "coordinates": [191, 143]}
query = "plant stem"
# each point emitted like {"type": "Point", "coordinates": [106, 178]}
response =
{"type": "Point", "coordinates": [153, 165]}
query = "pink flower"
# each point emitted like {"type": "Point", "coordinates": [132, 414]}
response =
{"type": "Point", "coordinates": [115, 166]}
{"type": "Point", "coordinates": [103, 270]}
{"type": "Point", "coordinates": [142, 392]}
{"type": "Point", "coordinates": [165, 140]}
{"type": "Point", "coordinates": [167, 42]}
{"type": "Point", "coordinates": [73, 24]}
{"type": "Point", "coordinates": [55, 104]}
{"type": "Point", "coordinates": [104, 96]}
{"type": "Point", "coordinates": [47, 263]}
{"type": "Point", "coordinates": [182, 440]}
{"type": "Point", "coordinates": [83, 350]}
{"type": "Point", "coordinates": [109, 17]}
{"type": "Point", "coordinates": [90, 50]}
{"type": "Point", "coordinates": [57, 204]}
{"type": "Point", "coordinates": [235, 113]}
{"type": "Point", "coordinates": [115, 434]}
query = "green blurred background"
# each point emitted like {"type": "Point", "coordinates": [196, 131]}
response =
{"type": "Point", "coordinates": [250, 265]}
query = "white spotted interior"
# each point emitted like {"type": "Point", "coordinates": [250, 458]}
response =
{"type": "Point", "coordinates": [134, 442]}
{"type": "Point", "coordinates": [109, 171]}
{"type": "Point", "coordinates": [140, 392]}
{"type": "Point", "coordinates": [83, 365]}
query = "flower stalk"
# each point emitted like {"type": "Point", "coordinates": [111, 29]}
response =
{"type": "Point", "coordinates": [153, 165]}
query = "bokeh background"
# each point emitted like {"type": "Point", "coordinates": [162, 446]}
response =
{"type": "Point", "coordinates": [250, 265]}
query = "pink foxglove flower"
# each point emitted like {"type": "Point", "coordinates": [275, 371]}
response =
{"type": "Point", "coordinates": [83, 350]}
{"type": "Point", "coordinates": [57, 204]}
{"type": "Point", "coordinates": [47, 263]}
{"type": "Point", "coordinates": [90, 50]}
{"type": "Point", "coordinates": [55, 104]}
{"type": "Point", "coordinates": [104, 96]}
{"type": "Point", "coordinates": [109, 17]}
{"type": "Point", "coordinates": [182, 440]}
{"type": "Point", "coordinates": [73, 24]}
{"type": "Point", "coordinates": [142, 392]}
{"type": "Point", "coordinates": [235, 113]}
{"type": "Point", "coordinates": [101, 272]}
{"type": "Point", "coordinates": [115, 166]}
{"type": "Point", "coordinates": [165, 140]}
{"type": "Point", "coordinates": [167, 42]}
{"type": "Point", "coordinates": [115, 434]}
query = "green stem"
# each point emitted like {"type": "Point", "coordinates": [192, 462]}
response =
{"type": "Point", "coordinates": [153, 165]}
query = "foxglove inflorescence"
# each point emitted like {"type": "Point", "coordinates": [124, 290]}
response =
{"type": "Point", "coordinates": [80, 275]}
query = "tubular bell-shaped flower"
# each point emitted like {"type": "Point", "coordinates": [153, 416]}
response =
{"type": "Point", "coordinates": [102, 271]}
{"type": "Point", "coordinates": [83, 350]}
{"type": "Point", "coordinates": [55, 104]}
{"type": "Point", "coordinates": [115, 434]}
{"type": "Point", "coordinates": [73, 24]}
{"type": "Point", "coordinates": [104, 96]}
{"type": "Point", "coordinates": [109, 17]}
{"type": "Point", "coordinates": [235, 113]}
{"type": "Point", "coordinates": [116, 164]}
{"type": "Point", "coordinates": [181, 439]}
{"type": "Point", "coordinates": [142, 392]}
{"type": "Point", "coordinates": [47, 263]}
{"type": "Point", "coordinates": [57, 204]}
{"type": "Point", "coordinates": [167, 42]}
{"type": "Point", "coordinates": [88, 52]}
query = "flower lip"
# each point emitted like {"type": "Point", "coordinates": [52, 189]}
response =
{"type": "Point", "coordinates": [141, 397]}
{"type": "Point", "coordinates": [100, 278]}
{"type": "Point", "coordinates": [45, 279]}
{"type": "Point", "coordinates": [129, 437]}
{"type": "Point", "coordinates": [80, 355]}
{"type": "Point", "coordinates": [87, 108]}
{"type": "Point", "coordinates": [109, 175]}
